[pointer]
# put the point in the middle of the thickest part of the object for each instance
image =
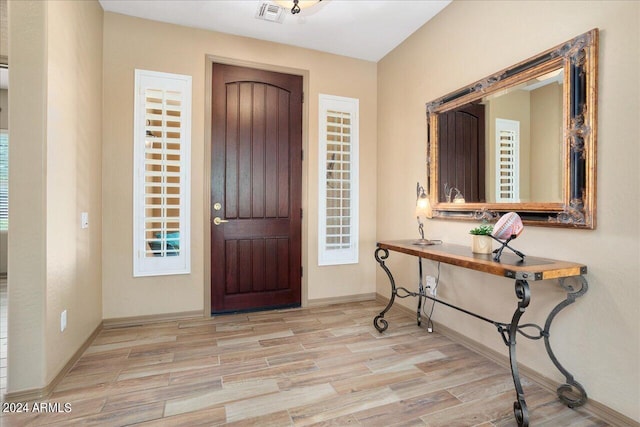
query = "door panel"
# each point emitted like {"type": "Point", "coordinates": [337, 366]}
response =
{"type": "Point", "coordinates": [256, 177]}
{"type": "Point", "coordinates": [462, 152]}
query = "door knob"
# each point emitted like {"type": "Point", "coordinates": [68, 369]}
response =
{"type": "Point", "coordinates": [217, 220]}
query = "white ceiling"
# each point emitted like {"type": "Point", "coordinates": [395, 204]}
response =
{"type": "Point", "coordinates": [360, 29]}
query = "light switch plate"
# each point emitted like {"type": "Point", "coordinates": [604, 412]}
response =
{"type": "Point", "coordinates": [84, 220]}
{"type": "Point", "coordinates": [63, 320]}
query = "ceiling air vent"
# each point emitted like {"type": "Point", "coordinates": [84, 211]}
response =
{"type": "Point", "coordinates": [270, 12]}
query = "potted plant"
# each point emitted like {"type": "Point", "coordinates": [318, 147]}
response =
{"type": "Point", "coordinates": [481, 242]}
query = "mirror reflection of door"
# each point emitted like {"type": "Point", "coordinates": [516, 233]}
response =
{"type": "Point", "coordinates": [461, 133]}
{"type": "Point", "coordinates": [256, 189]}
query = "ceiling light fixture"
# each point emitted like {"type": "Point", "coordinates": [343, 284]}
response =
{"type": "Point", "coordinates": [297, 5]}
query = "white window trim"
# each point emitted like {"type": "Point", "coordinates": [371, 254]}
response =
{"type": "Point", "coordinates": [347, 255]}
{"type": "Point", "coordinates": [166, 265]}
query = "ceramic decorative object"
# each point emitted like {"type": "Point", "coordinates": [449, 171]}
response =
{"type": "Point", "coordinates": [481, 240]}
{"type": "Point", "coordinates": [508, 227]}
{"type": "Point", "coordinates": [481, 244]}
{"type": "Point", "coordinates": [510, 224]}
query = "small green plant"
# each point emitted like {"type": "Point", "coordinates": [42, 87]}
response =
{"type": "Point", "coordinates": [482, 230]}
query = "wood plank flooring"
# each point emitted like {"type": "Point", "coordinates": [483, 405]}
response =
{"type": "Point", "coordinates": [318, 366]}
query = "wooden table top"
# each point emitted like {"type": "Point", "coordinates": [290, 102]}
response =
{"type": "Point", "coordinates": [510, 265]}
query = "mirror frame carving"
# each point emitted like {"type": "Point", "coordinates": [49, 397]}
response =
{"type": "Point", "coordinates": [579, 59]}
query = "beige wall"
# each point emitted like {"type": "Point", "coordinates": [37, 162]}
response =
{"type": "Point", "coordinates": [546, 144]}
{"type": "Point", "coordinates": [597, 338]}
{"type": "Point", "coordinates": [4, 29]}
{"type": "Point", "coordinates": [55, 173]}
{"type": "Point", "coordinates": [513, 106]}
{"type": "Point", "coordinates": [539, 113]}
{"type": "Point", "coordinates": [74, 177]}
{"type": "Point", "coordinates": [174, 49]}
{"type": "Point", "coordinates": [27, 259]}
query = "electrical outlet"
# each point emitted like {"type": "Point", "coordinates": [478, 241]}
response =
{"type": "Point", "coordinates": [63, 320]}
{"type": "Point", "coordinates": [431, 285]}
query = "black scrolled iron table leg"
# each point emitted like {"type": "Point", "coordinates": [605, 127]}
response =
{"type": "Point", "coordinates": [378, 322]}
{"type": "Point", "coordinates": [571, 388]}
{"type": "Point", "coordinates": [520, 410]}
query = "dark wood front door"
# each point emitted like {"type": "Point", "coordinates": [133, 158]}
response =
{"type": "Point", "coordinates": [462, 153]}
{"type": "Point", "coordinates": [256, 189]}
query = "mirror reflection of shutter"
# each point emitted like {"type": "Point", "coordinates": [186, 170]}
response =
{"type": "Point", "coordinates": [338, 195]}
{"type": "Point", "coordinates": [507, 161]}
{"type": "Point", "coordinates": [161, 183]}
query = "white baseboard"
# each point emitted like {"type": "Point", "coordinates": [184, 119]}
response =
{"type": "Point", "coordinates": [342, 300]}
{"type": "Point", "coordinates": [121, 322]}
{"type": "Point", "coordinates": [44, 392]}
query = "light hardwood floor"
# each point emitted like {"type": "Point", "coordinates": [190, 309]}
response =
{"type": "Point", "coordinates": [317, 366]}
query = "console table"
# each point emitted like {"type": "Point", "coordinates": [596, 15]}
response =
{"type": "Point", "coordinates": [510, 266]}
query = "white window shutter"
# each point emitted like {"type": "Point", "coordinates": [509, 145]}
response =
{"type": "Point", "coordinates": [162, 143]}
{"type": "Point", "coordinates": [507, 161]}
{"type": "Point", "coordinates": [338, 181]}
{"type": "Point", "coordinates": [4, 180]}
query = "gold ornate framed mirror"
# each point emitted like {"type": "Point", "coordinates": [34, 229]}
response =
{"type": "Point", "coordinates": [522, 139]}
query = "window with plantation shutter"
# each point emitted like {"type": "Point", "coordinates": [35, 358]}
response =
{"type": "Point", "coordinates": [507, 161]}
{"type": "Point", "coordinates": [162, 142]}
{"type": "Point", "coordinates": [338, 183]}
{"type": "Point", "coordinates": [4, 180]}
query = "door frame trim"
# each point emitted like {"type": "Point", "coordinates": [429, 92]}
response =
{"type": "Point", "coordinates": [209, 60]}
